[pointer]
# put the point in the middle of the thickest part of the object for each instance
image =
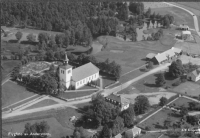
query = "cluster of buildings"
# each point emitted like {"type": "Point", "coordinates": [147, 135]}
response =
{"type": "Point", "coordinates": [164, 57]}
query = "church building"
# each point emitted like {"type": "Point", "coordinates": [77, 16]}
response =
{"type": "Point", "coordinates": [77, 77]}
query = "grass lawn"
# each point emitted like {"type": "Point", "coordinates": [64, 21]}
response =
{"type": "Point", "coordinates": [82, 105]}
{"type": "Point", "coordinates": [180, 16]}
{"type": "Point", "coordinates": [148, 84]}
{"type": "Point", "coordinates": [151, 135]}
{"type": "Point", "coordinates": [70, 95]}
{"type": "Point", "coordinates": [8, 65]}
{"type": "Point", "coordinates": [58, 120]}
{"type": "Point", "coordinates": [107, 82]}
{"type": "Point", "coordinates": [159, 117]}
{"type": "Point", "coordinates": [87, 87]}
{"type": "Point", "coordinates": [12, 92]}
{"type": "Point", "coordinates": [43, 103]}
{"type": "Point", "coordinates": [182, 101]}
{"type": "Point", "coordinates": [192, 89]}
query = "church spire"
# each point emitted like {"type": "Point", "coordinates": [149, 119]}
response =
{"type": "Point", "coordinates": [66, 59]}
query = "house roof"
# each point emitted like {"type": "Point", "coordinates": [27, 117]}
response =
{"type": "Point", "coordinates": [150, 55]}
{"type": "Point", "coordinates": [84, 71]}
{"type": "Point", "coordinates": [186, 32]}
{"type": "Point", "coordinates": [118, 98]}
{"type": "Point", "coordinates": [164, 56]}
{"type": "Point", "coordinates": [131, 132]}
{"type": "Point", "coordinates": [196, 72]}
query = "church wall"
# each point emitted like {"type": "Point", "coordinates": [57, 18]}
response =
{"type": "Point", "coordinates": [84, 82]}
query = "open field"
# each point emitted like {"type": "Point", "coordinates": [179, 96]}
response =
{"type": "Point", "coordinates": [154, 98]}
{"type": "Point", "coordinates": [182, 101]}
{"type": "Point", "coordinates": [43, 103]}
{"type": "Point", "coordinates": [187, 59]}
{"type": "Point", "coordinates": [159, 118]}
{"type": "Point", "coordinates": [12, 92]}
{"type": "Point", "coordinates": [131, 54]}
{"type": "Point", "coordinates": [148, 84]}
{"type": "Point", "coordinates": [180, 16]}
{"type": "Point", "coordinates": [192, 89]}
{"type": "Point", "coordinates": [70, 95]}
{"type": "Point", "coordinates": [192, 48]}
{"type": "Point", "coordinates": [8, 65]}
{"type": "Point", "coordinates": [58, 120]}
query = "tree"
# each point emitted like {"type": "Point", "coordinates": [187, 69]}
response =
{"type": "Point", "coordinates": [163, 101]}
{"type": "Point", "coordinates": [167, 123]}
{"type": "Point", "coordinates": [141, 104]}
{"type": "Point", "coordinates": [128, 116]}
{"type": "Point", "coordinates": [160, 81]}
{"type": "Point", "coordinates": [166, 22]}
{"type": "Point", "coordinates": [18, 35]}
{"type": "Point", "coordinates": [40, 128]}
{"type": "Point", "coordinates": [117, 125]}
{"type": "Point", "coordinates": [31, 37]}
{"type": "Point", "coordinates": [150, 65]}
{"type": "Point", "coordinates": [15, 72]}
{"type": "Point", "coordinates": [184, 110]}
{"type": "Point", "coordinates": [176, 69]}
{"type": "Point", "coordinates": [59, 39]}
{"type": "Point", "coordinates": [43, 37]}
{"type": "Point", "coordinates": [106, 132]}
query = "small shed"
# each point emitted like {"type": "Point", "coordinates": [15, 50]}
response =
{"type": "Point", "coordinates": [184, 27]}
{"type": "Point", "coordinates": [150, 56]}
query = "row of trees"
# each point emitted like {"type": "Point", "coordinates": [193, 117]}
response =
{"type": "Point", "coordinates": [111, 68]}
{"type": "Point", "coordinates": [36, 130]}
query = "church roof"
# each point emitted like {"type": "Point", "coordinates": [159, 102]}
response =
{"type": "Point", "coordinates": [84, 71]}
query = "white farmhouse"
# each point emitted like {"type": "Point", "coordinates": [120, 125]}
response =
{"type": "Point", "coordinates": [194, 75]}
{"type": "Point", "coordinates": [77, 77]}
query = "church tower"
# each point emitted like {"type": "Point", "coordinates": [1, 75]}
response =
{"type": "Point", "coordinates": [65, 73]}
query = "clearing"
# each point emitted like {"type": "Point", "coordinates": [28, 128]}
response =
{"type": "Point", "coordinates": [189, 88]}
{"type": "Point", "coordinates": [188, 59]}
{"type": "Point", "coordinates": [12, 93]}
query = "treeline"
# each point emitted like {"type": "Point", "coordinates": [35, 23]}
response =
{"type": "Point", "coordinates": [110, 68]}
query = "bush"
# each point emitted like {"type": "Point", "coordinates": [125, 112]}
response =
{"type": "Point", "coordinates": [148, 128]}
{"type": "Point", "coordinates": [178, 82]}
